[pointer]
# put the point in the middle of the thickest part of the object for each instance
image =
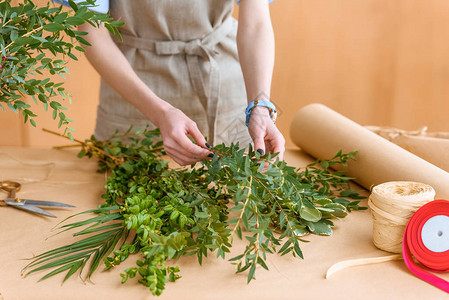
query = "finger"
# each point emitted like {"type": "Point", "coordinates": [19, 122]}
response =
{"type": "Point", "coordinates": [278, 146]}
{"type": "Point", "coordinates": [174, 156]}
{"type": "Point", "coordinates": [267, 163]}
{"type": "Point", "coordinates": [181, 160]}
{"type": "Point", "coordinates": [175, 152]}
{"type": "Point", "coordinates": [197, 136]}
{"type": "Point", "coordinates": [182, 150]}
{"type": "Point", "coordinates": [259, 144]}
{"type": "Point", "coordinates": [190, 150]}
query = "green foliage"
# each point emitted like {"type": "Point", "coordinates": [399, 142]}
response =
{"type": "Point", "coordinates": [40, 40]}
{"type": "Point", "coordinates": [169, 213]}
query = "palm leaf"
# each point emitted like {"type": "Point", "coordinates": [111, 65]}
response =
{"type": "Point", "coordinates": [59, 270]}
{"type": "Point", "coordinates": [102, 241]}
{"type": "Point", "coordinates": [62, 261]}
{"type": "Point", "coordinates": [72, 270]}
{"type": "Point", "coordinates": [105, 250]}
{"type": "Point", "coordinates": [93, 228]}
{"type": "Point", "coordinates": [90, 242]}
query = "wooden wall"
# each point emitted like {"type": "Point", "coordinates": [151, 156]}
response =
{"type": "Point", "coordinates": [379, 62]}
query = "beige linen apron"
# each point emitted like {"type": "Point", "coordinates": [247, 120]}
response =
{"type": "Point", "coordinates": [185, 51]}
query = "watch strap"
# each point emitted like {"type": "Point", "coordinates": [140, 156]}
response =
{"type": "Point", "coordinates": [265, 103]}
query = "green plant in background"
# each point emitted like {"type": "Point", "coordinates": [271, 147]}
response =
{"type": "Point", "coordinates": [40, 40]}
{"type": "Point", "coordinates": [163, 213]}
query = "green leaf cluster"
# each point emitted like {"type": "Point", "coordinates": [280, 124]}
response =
{"type": "Point", "coordinates": [40, 40]}
{"type": "Point", "coordinates": [166, 213]}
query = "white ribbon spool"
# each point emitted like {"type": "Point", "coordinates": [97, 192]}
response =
{"type": "Point", "coordinates": [435, 233]}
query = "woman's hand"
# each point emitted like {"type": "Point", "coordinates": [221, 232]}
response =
{"type": "Point", "coordinates": [263, 131]}
{"type": "Point", "coordinates": [115, 69]}
{"type": "Point", "coordinates": [175, 126]}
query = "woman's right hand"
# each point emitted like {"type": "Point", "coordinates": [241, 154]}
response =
{"type": "Point", "coordinates": [116, 71]}
{"type": "Point", "coordinates": [175, 126]}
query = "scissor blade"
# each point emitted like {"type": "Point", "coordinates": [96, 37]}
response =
{"type": "Point", "coordinates": [45, 203]}
{"type": "Point", "coordinates": [30, 208]}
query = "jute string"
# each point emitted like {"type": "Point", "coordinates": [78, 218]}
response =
{"type": "Point", "coordinates": [392, 204]}
{"type": "Point", "coordinates": [391, 133]}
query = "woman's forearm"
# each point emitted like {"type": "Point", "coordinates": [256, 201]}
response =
{"type": "Point", "coordinates": [255, 41]}
{"type": "Point", "coordinates": [112, 65]}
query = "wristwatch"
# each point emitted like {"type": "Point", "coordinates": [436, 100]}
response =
{"type": "Point", "coordinates": [268, 104]}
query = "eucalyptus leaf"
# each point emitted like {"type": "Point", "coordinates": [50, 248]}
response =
{"type": "Point", "coordinates": [321, 228]}
{"type": "Point", "coordinates": [53, 27]}
{"type": "Point", "coordinates": [310, 214]}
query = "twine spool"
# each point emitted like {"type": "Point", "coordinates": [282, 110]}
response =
{"type": "Point", "coordinates": [392, 204]}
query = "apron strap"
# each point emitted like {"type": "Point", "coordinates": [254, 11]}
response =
{"type": "Point", "coordinates": [204, 48]}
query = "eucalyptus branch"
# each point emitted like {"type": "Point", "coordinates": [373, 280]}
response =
{"type": "Point", "coordinates": [24, 35]}
{"type": "Point", "coordinates": [117, 159]}
{"type": "Point", "coordinates": [66, 146]}
{"type": "Point", "coordinates": [39, 40]}
{"type": "Point", "coordinates": [278, 204]}
{"type": "Point", "coordinates": [81, 143]}
{"type": "Point", "coordinates": [237, 225]}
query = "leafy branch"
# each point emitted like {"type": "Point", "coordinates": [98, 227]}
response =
{"type": "Point", "coordinates": [169, 213]}
{"type": "Point", "coordinates": [39, 41]}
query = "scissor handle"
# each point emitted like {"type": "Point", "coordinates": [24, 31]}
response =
{"type": "Point", "coordinates": [10, 186]}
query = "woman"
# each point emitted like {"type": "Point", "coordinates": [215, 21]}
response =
{"type": "Point", "coordinates": [178, 68]}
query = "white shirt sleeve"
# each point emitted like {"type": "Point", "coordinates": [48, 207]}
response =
{"type": "Point", "coordinates": [101, 6]}
{"type": "Point", "coordinates": [238, 1]}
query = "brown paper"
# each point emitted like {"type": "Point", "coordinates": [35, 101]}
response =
{"type": "Point", "coordinates": [430, 146]}
{"type": "Point", "coordinates": [75, 181]}
{"type": "Point", "coordinates": [322, 132]}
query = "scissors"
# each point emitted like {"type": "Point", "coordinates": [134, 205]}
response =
{"type": "Point", "coordinates": [12, 187]}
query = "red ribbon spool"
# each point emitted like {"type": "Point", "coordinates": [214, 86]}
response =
{"type": "Point", "coordinates": [413, 245]}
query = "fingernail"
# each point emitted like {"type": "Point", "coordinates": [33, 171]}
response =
{"type": "Point", "coordinates": [208, 146]}
{"type": "Point", "coordinates": [260, 151]}
{"type": "Point", "coordinates": [210, 155]}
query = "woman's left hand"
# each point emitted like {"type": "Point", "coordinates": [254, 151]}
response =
{"type": "Point", "coordinates": [266, 136]}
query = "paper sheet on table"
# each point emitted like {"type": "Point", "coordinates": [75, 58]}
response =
{"type": "Point", "coordinates": [322, 132]}
{"type": "Point", "coordinates": [76, 182]}
{"type": "Point", "coordinates": [12, 168]}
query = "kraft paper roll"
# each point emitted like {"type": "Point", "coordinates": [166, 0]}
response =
{"type": "Point", "coordinates": [430, 146]}
{"type": "Point", "coordinates": [322, 132]}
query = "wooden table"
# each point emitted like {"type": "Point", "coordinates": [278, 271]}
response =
{"type": "Point", "coordinates": [58, 175]}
